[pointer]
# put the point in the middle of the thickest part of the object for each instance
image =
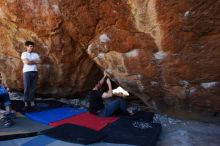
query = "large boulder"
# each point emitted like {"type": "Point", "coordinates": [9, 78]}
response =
{"type": "Point", "coordinates": [165, 52]}
{"type": "Point", "coordinates": [66, 67]}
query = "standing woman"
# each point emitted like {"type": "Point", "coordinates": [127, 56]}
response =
{"type": "Point", "coordinates": [30, 75]}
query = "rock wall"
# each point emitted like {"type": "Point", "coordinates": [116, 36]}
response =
{"type": "Point", "coordinates": [165, 52]}
{"type": "Point", "coordinates": [66, 66]}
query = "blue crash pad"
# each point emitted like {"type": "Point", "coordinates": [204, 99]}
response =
{"type": "Point", "coordinates": [41, 140]}
{"type": "Point", "coordinates": [54, 115]}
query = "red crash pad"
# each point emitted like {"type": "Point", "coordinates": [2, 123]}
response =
{"type": "Point", "coordinates": [87, 120]}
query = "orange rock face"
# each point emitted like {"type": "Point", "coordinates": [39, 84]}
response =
{"type": "Point", "coordinates": [165, 52]}
{"type": "Point", "coordinates": [66, 67]}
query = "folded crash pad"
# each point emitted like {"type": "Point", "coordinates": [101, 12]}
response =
{"type": "Point", "coordinates": [49, 104]}
{"type": "Point", "coordinates": [129, 131]}
{"type": "Point", "coordinates": [53, 115]}
{"type": "Point", "coordinates": [17, 105]}
{"type": "Point", "coordinates": [87, 120]}
{"type": "Point", "coordinates": [22, 127]}
{"type": "Point", "coordinates": [75, 134]}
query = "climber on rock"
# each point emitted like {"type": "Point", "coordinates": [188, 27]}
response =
{"type": "Point", "coordinates": [96, 100]}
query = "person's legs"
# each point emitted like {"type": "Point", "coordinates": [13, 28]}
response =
{"type": "Point", "coordinates": [112, 106]}
{"type": "Point", "coordinates": [26, 79]}
{"type": "Point", "coordinates": [9, 114]}
{"type": "Point", "coordinates": [6, 101]}
{"type": "Point", "coordinates": [123, 105]}
{"type": "Point", "coordinates": [33, 82]}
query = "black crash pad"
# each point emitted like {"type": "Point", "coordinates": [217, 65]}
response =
{"type": "Point", "coordinates": [75, 134]}
{"type": "Point", "coordinates": [129, 131]}
{"type": "Point", "coordinates": [42, 105]}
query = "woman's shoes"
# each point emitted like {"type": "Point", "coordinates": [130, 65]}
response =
{"type": "Point", "coordinates": [26, 109]}
{"type": "Point", "coordinates": [30, 108]}
{"type": "Point", "coordinates": [33, 108]}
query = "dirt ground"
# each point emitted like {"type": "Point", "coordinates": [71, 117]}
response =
{"type": "Point", "coordinates": [177, 132]}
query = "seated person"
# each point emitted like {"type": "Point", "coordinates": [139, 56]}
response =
{"type": "Point", "coordinates": [97, 105]}
{"type": "Point", "coordinates": [5, 100]}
